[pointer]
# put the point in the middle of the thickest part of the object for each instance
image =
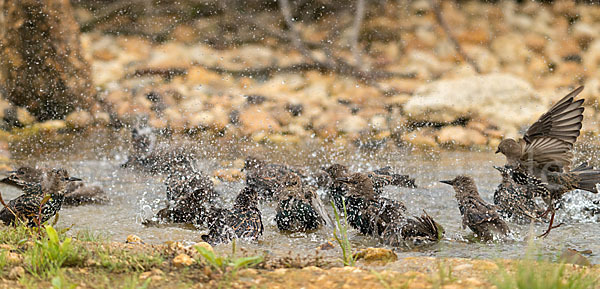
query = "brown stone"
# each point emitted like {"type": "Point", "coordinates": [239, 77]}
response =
{"type": "Point", "coordinates": [254, 119]}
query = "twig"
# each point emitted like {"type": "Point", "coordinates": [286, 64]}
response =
{"type": "Point", "coordinates": [284, 6]}
{"type": "Point", "coordinates": [358, 18]}
{"type": "Point", "coordinates": [437, 10]}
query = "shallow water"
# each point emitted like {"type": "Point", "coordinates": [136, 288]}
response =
{"type": "Point", "coordinates": [135, 196]}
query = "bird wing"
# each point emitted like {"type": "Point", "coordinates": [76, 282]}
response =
{"type": "Point", "coordinates": [547, 153]}
{"type": "Point", "coordinates": [562, 121]}
{"type": "Point", "coordinates": [480, 212]}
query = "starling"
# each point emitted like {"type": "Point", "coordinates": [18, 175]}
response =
{"type": "Point", "coordinates": [482, 218]}
{"type": "Point", "coordinates": [299, 209]}
{"type": "Point", "coordinates": [45, 196]}
{"type": "Point", "coordinates": [242, 221]}
{"type": "Point", "coordinates": [190, 194]}
{"type": "Point", "coordinates": [394, 179]}
{"type": "Point", "coordinates": [515, 196]}
{"type": "Point", "coordinates": [267, 178]}
{"type": "Point", "coordinates": [547, 144]}
{"type": "Point", "coordinates": [337, 189]}
{"type": "Point", "coordinates": [385, 218]}
{"type": "Point", "coordinates": [76, 193]}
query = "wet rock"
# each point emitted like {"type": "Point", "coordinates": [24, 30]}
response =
{"type": "Point", "coordinates": [376, 254]}
{"type": "Point", "coordinates": [79, 119]}
{"type": "Point", "coordinates": [571, 256]}
{"type": "Point", "coordinates": [133, 239]}
{"type": "Point", "coordinates": [205, 245]}
{"type": "Point", "coordinates": [423, 138]}
{"type": "Point", "coordinates": [326, 246]}
{"type": "Point", "coordinates": [461, 136]}
{"type": "Point", "coordinates": [51, 125]}
{"type": "Point", "coordinates": [183, 260]}
{"type": "Point", "coordinates": [505, 100]}
{"type": "Point", "coordinates": [16, 273]}
{"type": "Point", "coordinates": [254, 119]}
{"type": "Point", "coordinates": [24, 117]}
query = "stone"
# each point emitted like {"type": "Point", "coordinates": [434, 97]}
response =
{"type": "Point", "coordinates": [456, 135]}
{"type": "Point", "coordinates": [133, 239]}
{"type": "Point", "coordinates": [352, 124]}
{"type": "Point", "coordinates": [376, 254]}
{"type": "Point", "coordinates": [504, 100]}
{"type": "Point", "coordinates": [254, 119]}
{"type": "Point", "coordinates": [422, 138]}
{"type": "Point", "coordinates": [79, 119]}
{"type": "Point", "coordinates": [228, 175]}
{"type": "Point", "coordinates": [205, 245]}
{"type": "Point", "coordinates": [183, 260]}
{"type": "Point", "coordinates": [24, 117]}
{"type": "Point", "coordinates": [51, 125]}
{"type": "Point", "coordinates": [14, 258]}
{"type": "Point", "coordinates": [16, 273]}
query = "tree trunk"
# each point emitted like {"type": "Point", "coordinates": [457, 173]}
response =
{"type": "Point", "coordinates": [40, 60]}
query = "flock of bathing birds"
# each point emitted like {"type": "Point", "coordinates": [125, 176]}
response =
{"type": "Point", "coordinates": [536, 175]}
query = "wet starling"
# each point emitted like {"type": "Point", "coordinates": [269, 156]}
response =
{"type": "Point", "coordinates": [242, 221]}
{"type": "Point", "coordinates": [267, 178]}
{"type": "Point", "coordinates": [547, 144]}
{"type": "Point", "coordinates": [76, 193]}
{"type": "Point", "coordinates": [482, 218]}
{"type": "Point", "coordinates": [47, 194]}
{"type": "Point", "coordinates": [395, 179]}
{"type": "Point", "coordinates": [190, 195]}
{"type": "Point", "coordinates": [299, 209]}
{"type": "Point", "coordinates": [385, 218]}
{"type": "Point", "coordinates": [515, 196]}
{"type": "Point", "coordinates": [337, 189]}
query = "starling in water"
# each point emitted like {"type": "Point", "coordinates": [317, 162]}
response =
{"type": "Point", "coordinates": [394, 179]}
{"type": "Point", "coordinates": [47, 194]}
{"type": "Point", "coordinates": [482, 218]}
{"type": "Point", "coordinates": [190, 194]}
{"type": "Point", "coordinates": [547, 144]}
{"type": "Point", "coordinates": [299, 209]}
{"type": "Point", "coordinates": [515, 196]}
{"type": "Point", "coordinates": [76, 193]}
{"type": "Point", "coordinates": [385, 218]}
{"type": "Point", "coordinates": [266, 178]}
{"type": "Point", "coordinates": [242, 221]}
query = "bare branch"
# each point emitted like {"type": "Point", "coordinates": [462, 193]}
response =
{"type": "Point", "coordinates": [358, 18]}
{"type": "Point", "coordinates": [437, 10]}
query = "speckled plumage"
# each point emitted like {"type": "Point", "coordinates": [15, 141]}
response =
{"type": "Point", "coordinates": [244, 220]}
{"type": "Point", "coordinates": [481, 217]}
{"type": "Point", "coordinates": [47, 194]}
{"type": "Point", "coordinates": [299, 209]}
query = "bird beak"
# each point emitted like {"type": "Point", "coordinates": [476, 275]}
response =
{"type": "Point", "coordinates": [447, 182]}
{"type": "Point", "coordinates": [498, 168]}
{"type": "Point", "coordinates": [497, 151]}
{"type": "Point", "coordinates": [73, 179]}
{"type": "Point", "coordinates": [343, 179]}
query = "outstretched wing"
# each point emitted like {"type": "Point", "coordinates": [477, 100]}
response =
{"type": "Point", "coordinates": [561, 122]}
{"type": "Point", "coordinates": [548, 154]}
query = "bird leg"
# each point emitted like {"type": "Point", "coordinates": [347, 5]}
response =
{"type": "Point", "coordinates": [550, 227]}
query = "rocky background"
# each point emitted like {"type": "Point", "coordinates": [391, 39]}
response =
{"type": "Point", "coordinates": [407, 83]}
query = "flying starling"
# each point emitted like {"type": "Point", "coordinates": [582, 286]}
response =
{"type": "Point", "coordinates": [385, 218]}
{"type": "Point", "coordinates": [46, 195]}
{"type": "Point", "coordinates": [242, 221]}
{"type": "Point", "coordinates": [299, 209]}
{"type": "Point", "coordinates": [267, 178]}
{"type": "Point", "coordinates": [76, 193]}
{"type": "Point", "coordinates": [515, 196]}
{"type": "Point", "coordinates": [482, 218]}
{"type": "Point", "coordinates": [190, 194]}
{"type": "Point", "coordinates": [547, 144]}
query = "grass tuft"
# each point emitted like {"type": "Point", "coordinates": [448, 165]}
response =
{"type": "Point", "coordinates": [228, 263]}
{"type": "Point", "coordinates": [348, 256]}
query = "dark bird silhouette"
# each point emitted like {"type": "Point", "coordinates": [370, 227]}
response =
{"type": "Point", "coordinates": [190, 194]}
{"type": "Point", "coordinates": [547, 144]}
{"type": "Point", "coordinates": [76, 193]}
{"type": "Point", "coordinates": [299, 209]}
{"type": "Point", "coordinates": [385, 218]}
{"type": "Point", "coordinates": [482, 218]}
{"type": "Point", "coordinates": [515, 196]}
{"type": "Point", "coordinates": [242, 221]}
{"type": "Point", "coordinates": [379, 178]}
{"type": "Point", "coordinates": [267, 178]}
{"type": "Point", "coordinates": [46, 195]}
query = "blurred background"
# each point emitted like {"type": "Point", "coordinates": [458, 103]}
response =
{"type": "Point", "coordinates": [419, 74]}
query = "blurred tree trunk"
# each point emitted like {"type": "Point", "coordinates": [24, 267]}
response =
{"type": "Point", "coordinates": [41, 64]}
